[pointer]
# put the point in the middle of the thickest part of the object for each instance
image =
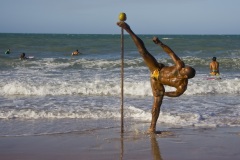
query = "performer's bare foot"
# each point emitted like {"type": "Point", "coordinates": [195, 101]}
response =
{"type": "Point", "coordinates": [150, 131]}
{"type": "Point", "coordinates": [123, 25]}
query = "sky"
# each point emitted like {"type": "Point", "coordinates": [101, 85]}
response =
{"type": "Point", "coordinates": [100, 16]}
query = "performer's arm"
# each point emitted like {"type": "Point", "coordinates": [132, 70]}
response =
{"type": "Point", "coordinates": [180, 64]}
{"type": "Point", "coordinates": [180, 90]}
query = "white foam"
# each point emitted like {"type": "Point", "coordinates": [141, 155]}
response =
{"type": "Point", "coordinates": [99, 86]}
{"type": "Point", "coordinates": [205, 125]}
{"type": "Point", "coordinates": [224, 86]}
{"type": "Point", "coordinates": [170, 118]}
{"type": "Point", "coordinates": [51, 76]}
{"type": "Point", "coordinates": [167, 38]}
{"type": "Point", "coordinates": [180, 119]}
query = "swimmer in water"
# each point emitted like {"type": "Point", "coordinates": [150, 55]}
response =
{"type": "Point", "coordinates": [75, 53]}
{"type": "Point", "coordinates": [23, 56]}
{"type": "Point", "coordinates": [8, 51]}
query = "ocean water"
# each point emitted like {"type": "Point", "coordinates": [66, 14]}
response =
{"type": "Point", "coordinates": [59, 93]}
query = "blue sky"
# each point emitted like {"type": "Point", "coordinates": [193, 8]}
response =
{"type": "Point", "coordinates": [100, 16]}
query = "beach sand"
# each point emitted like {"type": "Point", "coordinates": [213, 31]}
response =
{"type": "Point", "coordinates": [109, 144]}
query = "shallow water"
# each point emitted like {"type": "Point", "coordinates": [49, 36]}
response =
{"type": "Point", "coordinates": [54, 87]}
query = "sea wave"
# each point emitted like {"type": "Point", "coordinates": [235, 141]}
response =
{"type": "Point", "coordinates": [100, 86]}
{"type": "Point", "coordinates": [114, 62]}
{"type": "Point", "coordinates": [130, 112]}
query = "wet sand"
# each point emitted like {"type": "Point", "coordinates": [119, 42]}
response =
{"type": "Point", "coordinates": [104, 144]}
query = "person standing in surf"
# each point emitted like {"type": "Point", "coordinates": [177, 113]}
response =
{"type": "Point", "coordinates": [214, 67]}
{"type": "Point", "coordinates": [175, 76]}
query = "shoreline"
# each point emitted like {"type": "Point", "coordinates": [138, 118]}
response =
{"type": "Point", "coordinates": [109, 143]}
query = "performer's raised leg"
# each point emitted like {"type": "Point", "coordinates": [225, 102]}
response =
{"type": "Point", "coordinates": [150, 61]}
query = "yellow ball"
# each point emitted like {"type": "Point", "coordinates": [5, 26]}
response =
{"type": "Point", "coordinates": [122, 16]}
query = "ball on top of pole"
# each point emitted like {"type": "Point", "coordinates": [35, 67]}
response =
{"type": "Point", "coordinates": [122, 16]}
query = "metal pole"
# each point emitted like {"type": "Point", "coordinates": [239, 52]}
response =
{"type": "Point", "coordinates": [122, 77]}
